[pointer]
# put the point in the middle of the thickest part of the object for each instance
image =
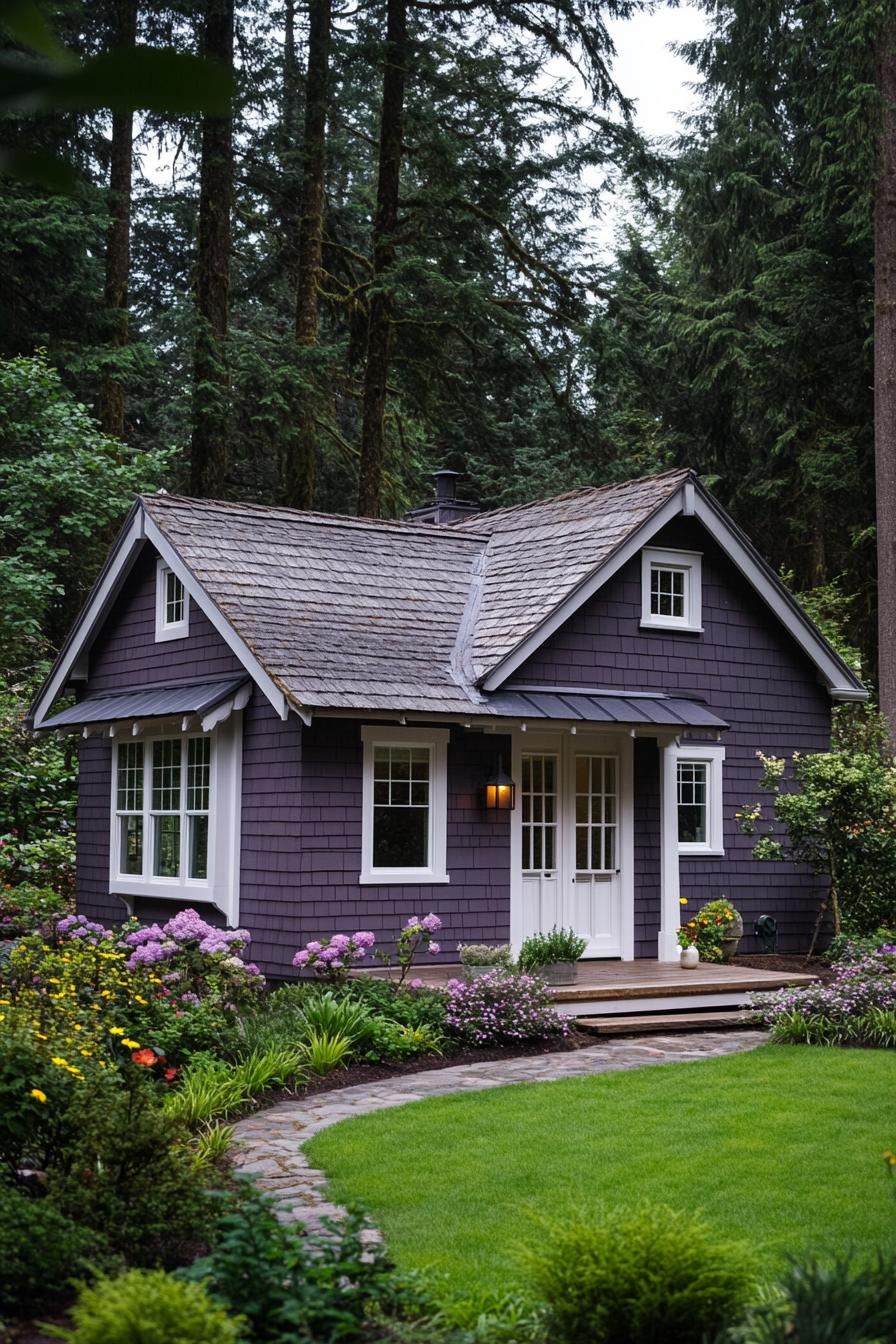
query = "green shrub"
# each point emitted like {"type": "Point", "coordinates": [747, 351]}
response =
{"type": "Point", "coordinates": [27, 908]}
{"type": "Point", "coordinates": [289, 1286]}
{"type": "Point", "coordinates": [638, 1278]}
{"type": "Point", "coordinates": [817, 1303]}
{"type": "Point", "coordinates": [852, 948]}
{"type": "Point", "coordinates": [40, 1251]}
{"type": "Point", "coordinates": [483, 954]}
{"type": "Point", "coordinates": [419, 1007]}
{"type": "Point", "coordinates": [322, 1051]}
{"type": "Point", "coordinates": [148, 1307]}
{"type": "Point", "coordinates": [212, 1144]}
{"type": "Point", "coordinates": [130, 1172]}
{"type": "Point", "coordinates": [393, 1041]}
{"type": "Point", "coordinates": [335, 1015]}
{"type": "Point", "coordinates": [543, 949]}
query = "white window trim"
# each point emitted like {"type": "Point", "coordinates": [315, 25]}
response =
{"type": "Point", "coordinates": [713, 758]}
{"type": "Point", "coordinates": [436, 739]}
{"type": "Point", "coordinates": [690, 562]}
{"type": "Point", "coordinates": [169, 629]}
{"type": "Point", "coordinates": [221, 887]}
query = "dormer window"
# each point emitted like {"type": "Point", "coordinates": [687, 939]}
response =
{"type": "Point", "coordinates": [172, 605]}
{"type": "Point", "coordinates": [670, 590]}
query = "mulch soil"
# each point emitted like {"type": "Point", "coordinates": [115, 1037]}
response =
{"type": "Point", "coordinates": [795, 964]}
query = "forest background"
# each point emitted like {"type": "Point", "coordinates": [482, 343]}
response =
{"type": "Point", "coordinates": [381, 260]}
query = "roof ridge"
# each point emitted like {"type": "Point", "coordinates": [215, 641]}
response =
{"type": "Point", "coordinates": [312, 516]}
{"type": "Point", "coordinates": [579, 493]}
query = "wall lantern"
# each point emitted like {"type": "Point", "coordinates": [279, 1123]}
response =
{"type": "Point", "coordinates": [499, 793]}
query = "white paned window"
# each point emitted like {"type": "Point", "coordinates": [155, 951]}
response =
{"type": "Point", "coordinates": [538, 797]}
{"type": "Point", "coordinates": [671, 596]}
{"type": "Point", "coordinates": [698, 783]}
{"type": "Point", "coordinates": [405, 812]}
{"type": "Point", "coordinates": [172, 605]}
{"type": "Point", "coordinates": [175, 822]}
{"type": "Point", "coordinates": [597, 816]}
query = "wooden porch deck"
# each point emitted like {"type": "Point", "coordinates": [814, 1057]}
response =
{"type": "Point", "coordinates": [608, 987]}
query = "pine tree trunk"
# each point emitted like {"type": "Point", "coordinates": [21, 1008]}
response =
{"type": "Point", "coordinates": [289, 120]}
{"type": "Point", "coordinates": [118, 238]}
{"type": "Point", "coordinates": [208, 461]}
{"type": "Point", "coordinates": [885, 375]}
{"type": "Point", "coordinates": [300, 453]}
{"type": "Point", "coordinates": [385, 227]}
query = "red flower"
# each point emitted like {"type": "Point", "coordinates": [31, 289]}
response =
{"type": "Point", "coordinates": [144, 1057]}
{"type": "Point", "coordinates": [171, 1074]}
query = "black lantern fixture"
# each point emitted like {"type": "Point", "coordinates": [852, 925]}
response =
{"type": "Point", "coordinates": [499, 792]}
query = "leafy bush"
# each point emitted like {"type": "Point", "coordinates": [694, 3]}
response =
{"type": "Point", "coordinates": [709, 928]}
{"type": "Point", "coordinates": [412, 1006]}
{"type": "Point", "coordinates": [148, 1307]}
{"type": "Point", "coordinates": [839, 817]}
{"type": "Point", "coordinates": [394, 1041]}
{"type": "Point", "coordinates": [195, 959]}
{"type": "Point", "coordinates": [129, 1172]}
{"type": "Point", "coordinates": [543, 949]}
{"type": "Point", "coordinates": [845, 947]}
{"type": "Point", "coordinates": [206, 1088]}
{"type": "Point", "coordinates": [335, 1016]}
{"type": "Point", "coordinates": [856, 1007]}
{"type": "Point", "coordinates": [501, 1008]}
{"type": "Point", "coordinates": [482, 954]}
{"type": "Point", "coordinates": [47, 861]}
{"type": "Point", "coordinates": [212, 1144]}
{"type": "Point", "coordinates": [289, 1286]}
{"type": "Point", "coordinates": [26, 909]}
{"type": "Point", "coordinates": [40, 1250]}
{"type": "Point", "coordinates": [39, 777]}
{"type": "Point", "coordinates": [821, 1303]}
{"type": "Point", "coordinates": [639, 1277]}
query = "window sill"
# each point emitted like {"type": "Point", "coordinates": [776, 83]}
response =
{"type": "Point", "coordinates": [680, 626]}
{"type": "Point", "coordinates": [700, 852]}
{"type": "Point", "coordinates": [164, 633]}
{"type": "Point", "coordinates": [382, 877]}
{"type": "Point", "coordinates": [170, 889]}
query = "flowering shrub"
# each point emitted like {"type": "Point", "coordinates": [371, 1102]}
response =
{"type": "Point", "coordinates": [501, 1008]}
{"type": "Point", "coordinates": [27, 908]}
{"type": "Point", "coordinates": [48, 861]}
{"type": "Point", "coordinates": [415, 937]}
{"type": "Point", "coordinates": [709, 928]}
{"type": "Point", "coordinates": [331, 958]}
{"type": "Point", "coordinates": [858, 1006]}
{"type": "Point", "coordinates": [846, 948]}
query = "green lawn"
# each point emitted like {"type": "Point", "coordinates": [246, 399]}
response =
{"type": "Point", "coordinates": [781, 1147]}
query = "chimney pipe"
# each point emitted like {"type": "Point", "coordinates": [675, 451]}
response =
{"type": "Point", "coordinates": [446, 508]}
{"type": "Point", "coordinates": [446, 485]}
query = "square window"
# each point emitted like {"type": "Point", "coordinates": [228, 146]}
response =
{"type": "Point", "coordinates": [172, 605]}
{"type": "Point", "coordinates": [670, 590]}
{"type": "Point", "coordinates": [698, 799]}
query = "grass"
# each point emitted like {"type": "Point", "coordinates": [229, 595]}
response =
{"type": "Point", "coordinates": [781, 1148]}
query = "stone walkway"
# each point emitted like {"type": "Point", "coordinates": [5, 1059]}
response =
{"type": "Point", "coordinates": [269, 1143]}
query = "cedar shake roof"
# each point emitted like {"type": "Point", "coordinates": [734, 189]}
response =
{"type": "Point", "coordinates": [351, 613]}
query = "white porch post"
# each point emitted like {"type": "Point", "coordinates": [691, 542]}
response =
{"type": "Point", "coordinates": [668, 949]}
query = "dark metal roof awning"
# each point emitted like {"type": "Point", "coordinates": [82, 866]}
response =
{"type": "Point", "coordinates": [660, 711]}
{"type": "Point", "coordinates": [155, 702]}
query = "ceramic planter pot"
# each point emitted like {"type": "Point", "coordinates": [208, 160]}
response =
{"type": "Point", "coordinates": [558, 973]}
{"type": "Point", "coordinates": [735, 933]}
{"type": "Point", "coordinates": [689, 959]}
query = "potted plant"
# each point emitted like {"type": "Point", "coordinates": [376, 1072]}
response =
{"type": "Point", "coordinates": [687, 941]}
{"type": "Point", "coordinates": [715, 931]}
{"type": "Point", "coordinates": [553, 955]}
{"type": "Point", "coordinates": [481, 958]}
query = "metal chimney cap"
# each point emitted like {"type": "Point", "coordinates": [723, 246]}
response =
{"type": "Point", "coordinates": [446, 484]}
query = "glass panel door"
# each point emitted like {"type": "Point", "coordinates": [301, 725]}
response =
{"type": "Point", "coordinates": [538, 797]}
{"type": "Point", "coordinates": [596, 814]}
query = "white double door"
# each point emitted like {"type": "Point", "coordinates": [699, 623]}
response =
{"type": "Point", "coordinates": [572, 839]}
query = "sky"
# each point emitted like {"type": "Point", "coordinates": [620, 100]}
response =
{"type": "Point", "coordinates": [647, 71]}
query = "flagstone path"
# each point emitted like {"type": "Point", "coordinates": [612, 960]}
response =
{"type": "Point", "coordinates": [269, 1144]}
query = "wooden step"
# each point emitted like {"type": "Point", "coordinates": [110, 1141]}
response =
{"type": "Point", "coordinates": [642, 1024]}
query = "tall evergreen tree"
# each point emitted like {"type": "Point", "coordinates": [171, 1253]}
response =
{"type": "Point", "coordinates": [885, 369]}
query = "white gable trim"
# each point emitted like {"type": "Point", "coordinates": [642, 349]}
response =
{"type": "Point", "coordinates": [692, 500]}
{"type": "Point", "coordinates": [139, 528]}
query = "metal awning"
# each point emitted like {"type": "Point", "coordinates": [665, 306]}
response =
{"type": "Point", "coordinates": [635, 710]}
{"type": "Point", "coordinates": [212, 701]}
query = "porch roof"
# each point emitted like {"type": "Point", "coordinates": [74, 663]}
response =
{"type": "Point", "coordinates": [661, 711]}
{"type": "Point", "coordinates": [150, 702]}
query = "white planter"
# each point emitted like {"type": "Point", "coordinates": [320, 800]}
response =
{"type": "Point", "coordinates": [477, 972]}
{"type": "Point", "coordinates": [690, 958]}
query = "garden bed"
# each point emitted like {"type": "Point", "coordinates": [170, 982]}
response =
{"type": "Point", "coordinates": [792, 963]}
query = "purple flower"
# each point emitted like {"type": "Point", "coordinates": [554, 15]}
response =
{"type": "Point", "coordinates": [431, 923]}
{"type": "Point", "coordinates": [416, 984]}
{"type": "Point", "coordinates": [301, 958]}
{"type": "Point", "coordinates": [340, 942]}
{"type": "Point", "coordinates": [251, 969]}
{"type": "Point", "coordinates": [434, 948]}
{"type": "Point", "coordinates": [364, 939]}
{"type": "Point", "coordinates": [189, 997]}
{"type": "Point", "coordinates": [314, 947]}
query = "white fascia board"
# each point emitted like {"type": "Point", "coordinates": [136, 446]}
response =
{"type": "Point", "coordinates": [596, 580]}
{"type": "Point", "coordinates": [266, 685]}
{"type": "Point", "coordinates": [96, 608]}
{"type": "Point", "coordinates": [840, 681]}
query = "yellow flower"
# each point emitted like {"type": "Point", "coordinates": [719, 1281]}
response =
{"type": "Point", "coordinates": [59, 1062]}
{"type": "Point", "coordinates": [682, 900]}
{"type": "Point", "coordinates": [37, 1094]}
{"type": "Point", "coordinates": [40, 1036]}
{"type": "Point", "coordinates": [137, 999]}
{"type": "Point", "coordinates": [132, 1045]}
{"type": "Point", "coordinates": [116, 1031]}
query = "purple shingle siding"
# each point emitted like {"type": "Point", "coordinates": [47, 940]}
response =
{"type": "Point", "coordinates": [752, 675]}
